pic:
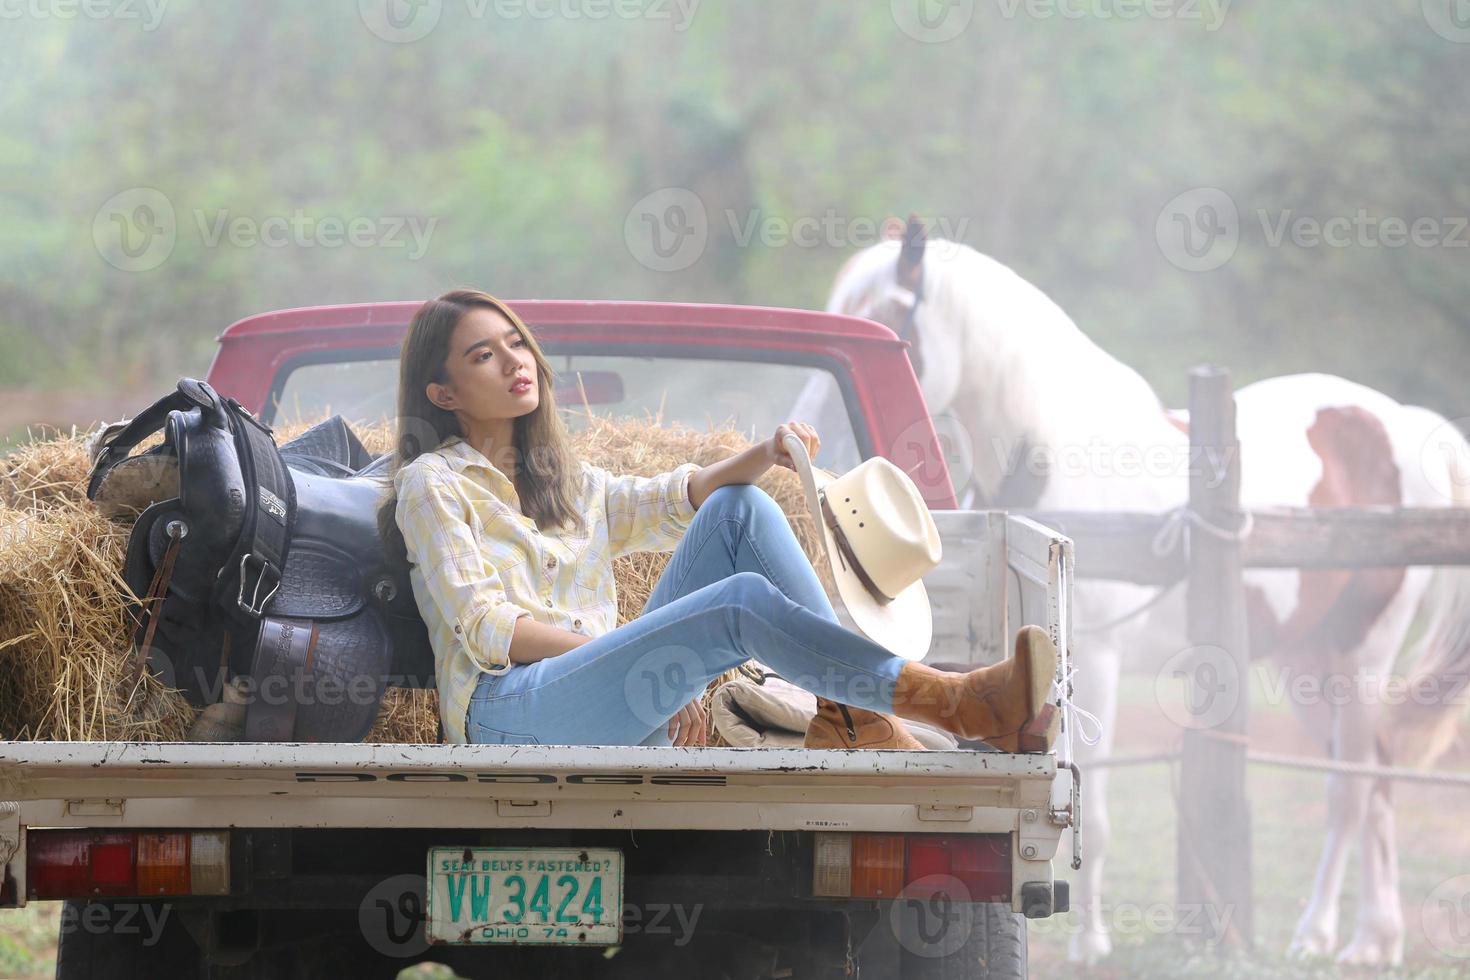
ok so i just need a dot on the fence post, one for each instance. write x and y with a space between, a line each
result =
1214 845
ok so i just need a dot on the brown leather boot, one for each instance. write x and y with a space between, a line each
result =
1004 704
840 726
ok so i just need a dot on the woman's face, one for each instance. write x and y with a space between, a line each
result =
487 355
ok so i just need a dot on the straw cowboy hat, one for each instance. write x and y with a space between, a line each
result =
880 540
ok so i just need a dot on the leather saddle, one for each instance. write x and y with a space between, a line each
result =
261 561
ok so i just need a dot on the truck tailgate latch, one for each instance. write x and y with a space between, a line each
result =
95 808
523 808
947 813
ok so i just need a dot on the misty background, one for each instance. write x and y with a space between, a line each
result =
519 136
1274 187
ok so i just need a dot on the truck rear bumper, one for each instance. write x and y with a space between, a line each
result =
540 789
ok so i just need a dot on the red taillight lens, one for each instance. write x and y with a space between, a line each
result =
113 869
58 865
981 864
115 864
77 863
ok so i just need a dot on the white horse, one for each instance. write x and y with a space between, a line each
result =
1056 423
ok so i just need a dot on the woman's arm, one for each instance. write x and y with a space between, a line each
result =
533 641
751 464
645 513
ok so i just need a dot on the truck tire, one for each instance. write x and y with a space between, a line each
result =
86 949
995 949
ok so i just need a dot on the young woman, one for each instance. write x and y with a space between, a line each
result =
511 540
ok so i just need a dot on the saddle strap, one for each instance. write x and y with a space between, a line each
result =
252 573
118 440
154 601
282 664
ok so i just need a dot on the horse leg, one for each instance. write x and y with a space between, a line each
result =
1359 707
1316 933
1096 685
1347 801
1356 718
1378 936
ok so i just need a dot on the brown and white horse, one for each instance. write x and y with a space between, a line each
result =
1056 423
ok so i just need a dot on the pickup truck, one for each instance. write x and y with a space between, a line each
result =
294 859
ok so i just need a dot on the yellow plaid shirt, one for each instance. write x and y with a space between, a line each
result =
479 564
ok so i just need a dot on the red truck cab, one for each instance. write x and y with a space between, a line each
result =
265 360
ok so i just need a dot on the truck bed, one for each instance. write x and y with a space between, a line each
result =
184 785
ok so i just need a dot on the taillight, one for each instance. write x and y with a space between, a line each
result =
832 874
877 865
981 863
915 865
163 864
131 864
113 856
209 864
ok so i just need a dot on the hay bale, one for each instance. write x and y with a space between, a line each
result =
45 472
647 448
65 633
407 716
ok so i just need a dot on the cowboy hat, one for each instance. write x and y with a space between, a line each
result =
880 539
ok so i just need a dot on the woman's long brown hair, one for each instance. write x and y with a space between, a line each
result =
548 472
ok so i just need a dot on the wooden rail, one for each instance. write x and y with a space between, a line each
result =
1120 546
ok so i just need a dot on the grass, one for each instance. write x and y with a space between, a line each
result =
1288 823
28 941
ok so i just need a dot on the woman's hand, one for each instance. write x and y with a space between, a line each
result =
808 436
749 465
687 727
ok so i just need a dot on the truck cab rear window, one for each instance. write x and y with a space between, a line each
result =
752 396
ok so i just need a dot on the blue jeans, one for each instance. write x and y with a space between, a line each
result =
737 586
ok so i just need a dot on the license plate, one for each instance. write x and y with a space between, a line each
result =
525 895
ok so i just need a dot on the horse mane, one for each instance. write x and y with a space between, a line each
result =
1020 365
1017 342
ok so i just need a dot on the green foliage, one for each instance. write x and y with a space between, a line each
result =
1052 142
28 940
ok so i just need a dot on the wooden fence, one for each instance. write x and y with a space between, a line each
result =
1214 842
